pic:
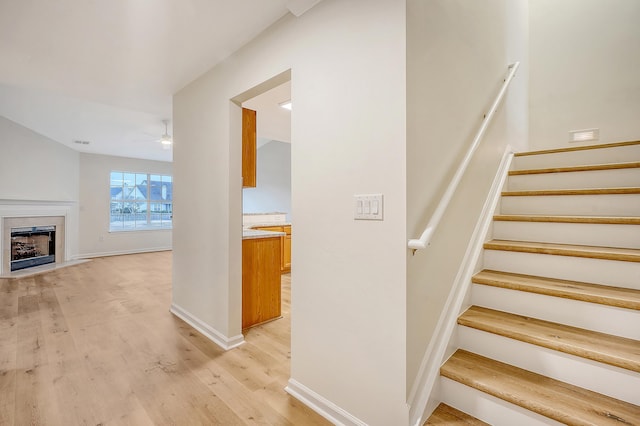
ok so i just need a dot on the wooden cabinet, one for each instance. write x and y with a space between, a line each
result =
286 250
285 244
249 148
261 260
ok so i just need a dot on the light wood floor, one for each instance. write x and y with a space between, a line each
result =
95 344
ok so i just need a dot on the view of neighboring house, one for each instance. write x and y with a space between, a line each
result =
137 202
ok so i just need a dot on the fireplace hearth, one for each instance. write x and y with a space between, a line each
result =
32 246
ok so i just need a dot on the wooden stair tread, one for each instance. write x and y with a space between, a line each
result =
588 191
605 295
613 350
447 415
576 148
607 220
586 168
551 398
606 253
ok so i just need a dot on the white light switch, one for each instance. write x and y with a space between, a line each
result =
368 207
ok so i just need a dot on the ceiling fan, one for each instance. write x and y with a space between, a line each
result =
166 139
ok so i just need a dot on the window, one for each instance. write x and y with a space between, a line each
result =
140 201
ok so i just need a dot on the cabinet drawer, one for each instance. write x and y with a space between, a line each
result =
269 228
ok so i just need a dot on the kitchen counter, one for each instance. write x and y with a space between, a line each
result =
248 234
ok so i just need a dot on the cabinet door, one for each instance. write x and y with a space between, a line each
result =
248 148
286 255
260 280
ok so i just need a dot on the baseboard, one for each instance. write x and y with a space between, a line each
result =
321 405
120 252
420 397
210 333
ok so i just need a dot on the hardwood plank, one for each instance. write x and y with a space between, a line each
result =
557 400
605 295
95 343
577 148
604 220
593 252
446 415
590 191
586 168
34 403
613 350
8 350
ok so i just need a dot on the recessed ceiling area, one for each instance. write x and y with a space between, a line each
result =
105 72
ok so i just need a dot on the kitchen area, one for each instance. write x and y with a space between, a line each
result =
266 238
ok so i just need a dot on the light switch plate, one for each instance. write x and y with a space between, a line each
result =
368 207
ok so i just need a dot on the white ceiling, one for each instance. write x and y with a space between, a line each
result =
105 71
272 121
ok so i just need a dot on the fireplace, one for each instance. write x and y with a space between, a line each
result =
30 241
32 246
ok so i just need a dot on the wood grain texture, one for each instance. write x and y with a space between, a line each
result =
286 249
604 295
557 400
591 191
446 415
285 245
613 350
95 344
586 168
261 262
577 148
593 252
249 148
598 220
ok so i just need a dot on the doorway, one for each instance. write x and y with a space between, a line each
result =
266 203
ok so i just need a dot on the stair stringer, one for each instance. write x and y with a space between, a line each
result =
424 395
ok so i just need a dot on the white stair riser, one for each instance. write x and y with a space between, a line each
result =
598 377
488 408
571 180
591 316
573 205
577 158
596 271
604 235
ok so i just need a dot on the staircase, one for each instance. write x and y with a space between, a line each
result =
553 333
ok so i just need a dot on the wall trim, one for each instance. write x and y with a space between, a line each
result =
209 332
121 252
321 405
421 400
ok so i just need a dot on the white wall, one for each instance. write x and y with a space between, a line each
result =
273 176
34 167
95 238
457 57
38 177
347 61
584 70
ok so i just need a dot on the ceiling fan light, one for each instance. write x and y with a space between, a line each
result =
286 105
165 139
